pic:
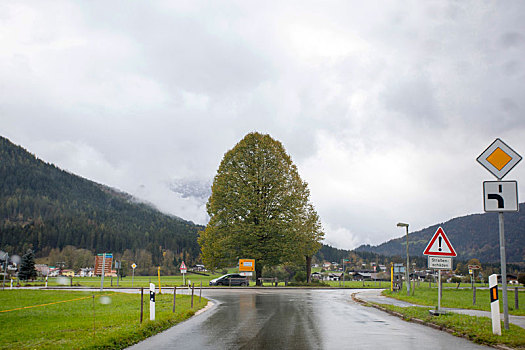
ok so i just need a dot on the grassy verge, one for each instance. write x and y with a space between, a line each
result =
87 321
460 298
126 282
171 281
476 329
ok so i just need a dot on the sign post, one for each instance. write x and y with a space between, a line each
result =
133 266
440 252
246 267
500 196
343 261
183 270
160 290
152 302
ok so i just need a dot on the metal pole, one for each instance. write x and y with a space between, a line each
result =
103 272
141 303
407 274
160 289
6 256
193 292
132 278
474 296
503 270
174 297
343 264
439 291
93 315
391 277
516 299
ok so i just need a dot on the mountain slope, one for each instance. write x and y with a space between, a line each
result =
473 236
44 207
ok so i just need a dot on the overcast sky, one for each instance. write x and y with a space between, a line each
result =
383 106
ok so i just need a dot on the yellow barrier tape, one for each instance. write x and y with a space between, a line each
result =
56 302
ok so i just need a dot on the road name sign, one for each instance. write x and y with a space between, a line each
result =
500 196
440 262
499 159
440 245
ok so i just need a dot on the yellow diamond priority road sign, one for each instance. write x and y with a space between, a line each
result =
499 158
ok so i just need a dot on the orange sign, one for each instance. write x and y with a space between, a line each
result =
246 265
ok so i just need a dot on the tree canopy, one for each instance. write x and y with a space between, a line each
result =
259 208
27 266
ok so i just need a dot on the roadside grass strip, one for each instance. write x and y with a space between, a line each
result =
45 319
476 329
459 299
56 302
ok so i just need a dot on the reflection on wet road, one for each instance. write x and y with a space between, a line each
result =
297 319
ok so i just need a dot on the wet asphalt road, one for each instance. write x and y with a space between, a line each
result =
297 319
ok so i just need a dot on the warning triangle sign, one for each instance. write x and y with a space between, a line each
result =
439 245
182 266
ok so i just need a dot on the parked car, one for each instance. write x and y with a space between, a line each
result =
231 279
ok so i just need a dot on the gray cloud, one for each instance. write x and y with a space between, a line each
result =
384 107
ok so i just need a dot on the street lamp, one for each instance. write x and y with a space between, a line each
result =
407 278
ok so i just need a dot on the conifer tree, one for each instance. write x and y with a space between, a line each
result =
27 266
259 208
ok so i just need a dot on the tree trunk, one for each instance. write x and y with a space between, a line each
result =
258 274
308 269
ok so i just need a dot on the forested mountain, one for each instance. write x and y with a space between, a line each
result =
473 236
43 207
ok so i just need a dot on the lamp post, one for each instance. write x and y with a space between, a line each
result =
407 277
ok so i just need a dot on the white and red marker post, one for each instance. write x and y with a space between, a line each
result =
494 304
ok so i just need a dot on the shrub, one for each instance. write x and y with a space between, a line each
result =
521 279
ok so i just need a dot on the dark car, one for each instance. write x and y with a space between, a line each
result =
231 279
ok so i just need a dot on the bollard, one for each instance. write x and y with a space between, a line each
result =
192 291
174 297
516 299
152 302
494 304
141 303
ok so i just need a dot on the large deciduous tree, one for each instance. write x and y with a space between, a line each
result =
259 208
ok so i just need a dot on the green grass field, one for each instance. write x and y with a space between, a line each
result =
86 321
459 298
171 281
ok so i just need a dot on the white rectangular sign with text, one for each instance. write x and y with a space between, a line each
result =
439 262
